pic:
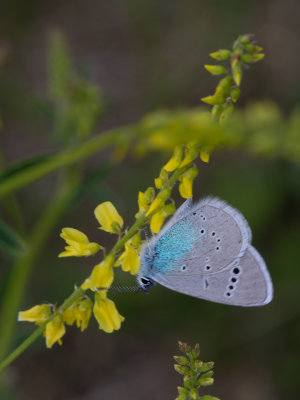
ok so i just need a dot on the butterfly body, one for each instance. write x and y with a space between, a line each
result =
205 251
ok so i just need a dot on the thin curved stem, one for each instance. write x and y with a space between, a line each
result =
78 292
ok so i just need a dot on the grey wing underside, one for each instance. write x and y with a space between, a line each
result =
222 267
246 282
221 234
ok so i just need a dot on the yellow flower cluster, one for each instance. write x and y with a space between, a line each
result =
155 206
151 206
99 281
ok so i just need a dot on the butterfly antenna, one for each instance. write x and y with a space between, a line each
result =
137 252
123 289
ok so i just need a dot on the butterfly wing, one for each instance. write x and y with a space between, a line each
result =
207 238
246 282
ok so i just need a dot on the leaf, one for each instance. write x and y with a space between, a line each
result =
10 242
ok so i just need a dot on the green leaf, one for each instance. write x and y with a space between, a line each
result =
10 242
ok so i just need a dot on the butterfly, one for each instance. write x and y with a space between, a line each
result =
205 251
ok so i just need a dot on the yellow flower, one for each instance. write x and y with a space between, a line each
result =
69 315
101 276
158 218
37 314
79 244
80 312
192 150
106 314
108 217
205 155
129 259
159 201
84 312
54 331
186 183
161 180
144 200
175 160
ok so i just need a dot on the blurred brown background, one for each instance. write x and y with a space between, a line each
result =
147 55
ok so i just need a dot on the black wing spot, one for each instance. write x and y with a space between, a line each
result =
183 267
236 270
202 231
208 267
206 283
194 213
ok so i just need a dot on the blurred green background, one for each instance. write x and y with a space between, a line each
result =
148 55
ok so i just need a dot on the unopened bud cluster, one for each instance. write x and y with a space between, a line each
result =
196 373
243 51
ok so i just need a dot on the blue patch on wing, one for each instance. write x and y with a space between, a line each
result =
173 246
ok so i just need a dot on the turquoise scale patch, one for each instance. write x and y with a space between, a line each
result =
173 246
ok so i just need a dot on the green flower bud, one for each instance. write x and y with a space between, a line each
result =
228 108
252 58
208 374
188 382
183 393
149 193
184 347
181 369
206 366
197 365
237 74
245 39
213 100
181 360
196 351
194 394
205 381
216 69
221 54
235 94
208 397
224 87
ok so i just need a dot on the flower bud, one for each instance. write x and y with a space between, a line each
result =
221 54
216 69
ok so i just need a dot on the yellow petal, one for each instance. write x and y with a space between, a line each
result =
192 150
79 245
39 313
158 218
129 259
205 155
102 275
72 234
108 217
84 312
175 160
156 222
186 188
107 314
69 315
54 331
157 203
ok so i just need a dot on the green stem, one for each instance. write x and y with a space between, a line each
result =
24 265
78 292
99 142
35 334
